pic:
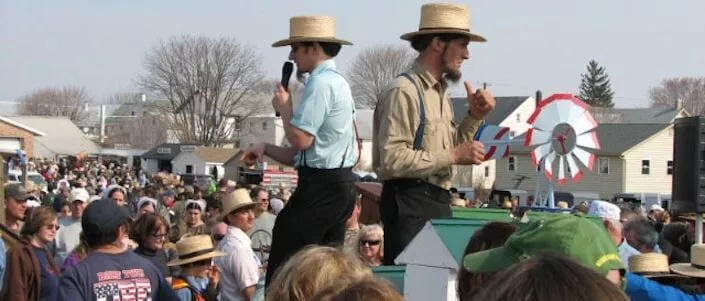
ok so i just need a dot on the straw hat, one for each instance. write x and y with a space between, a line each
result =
439 18
194 248
237 199
311 29
696 267
651 265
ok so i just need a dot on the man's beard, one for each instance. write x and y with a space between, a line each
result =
449 74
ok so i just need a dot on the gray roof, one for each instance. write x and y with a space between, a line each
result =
615 139
635 115
174 150
504 107
62 136
364 119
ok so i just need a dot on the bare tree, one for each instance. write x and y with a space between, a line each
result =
689 90
68 101
208 83
374 68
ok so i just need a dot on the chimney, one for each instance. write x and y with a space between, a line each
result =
679 104
538 97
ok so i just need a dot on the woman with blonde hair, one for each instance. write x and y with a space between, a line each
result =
31 273
311 270
370 246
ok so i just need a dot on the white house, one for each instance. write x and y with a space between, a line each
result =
433 257
202 160
512 112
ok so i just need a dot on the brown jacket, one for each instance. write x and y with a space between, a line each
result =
23 274
10 237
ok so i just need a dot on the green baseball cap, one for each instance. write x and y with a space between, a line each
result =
579 238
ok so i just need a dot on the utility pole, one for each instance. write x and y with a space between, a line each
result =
102 124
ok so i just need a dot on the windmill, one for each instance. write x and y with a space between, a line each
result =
562 133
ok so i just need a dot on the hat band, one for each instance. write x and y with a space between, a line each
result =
444 28
697 266
653 273
195 254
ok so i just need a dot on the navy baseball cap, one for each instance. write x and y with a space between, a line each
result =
103 217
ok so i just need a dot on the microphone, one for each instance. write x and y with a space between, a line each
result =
287 69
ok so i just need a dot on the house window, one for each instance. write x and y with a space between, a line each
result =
645 167
604 165
669 167
487 171
518 117
238 123
512 163
264 126
189 168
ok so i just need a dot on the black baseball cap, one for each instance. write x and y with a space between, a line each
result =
103 217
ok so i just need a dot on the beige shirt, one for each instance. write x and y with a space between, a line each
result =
396 119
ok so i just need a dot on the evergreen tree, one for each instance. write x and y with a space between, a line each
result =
595 88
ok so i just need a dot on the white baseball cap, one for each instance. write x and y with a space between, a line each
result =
604 210
656 207
79 194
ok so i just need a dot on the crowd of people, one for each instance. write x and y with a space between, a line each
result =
103 231
94 233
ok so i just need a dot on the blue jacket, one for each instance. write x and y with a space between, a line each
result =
643 289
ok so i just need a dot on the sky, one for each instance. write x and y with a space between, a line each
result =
538 44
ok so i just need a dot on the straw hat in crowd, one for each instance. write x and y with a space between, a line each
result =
311 29
696 267
238 198
651 265
193 249
438 18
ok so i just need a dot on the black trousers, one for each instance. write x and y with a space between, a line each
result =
405 207
315 214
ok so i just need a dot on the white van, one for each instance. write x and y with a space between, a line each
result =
15 176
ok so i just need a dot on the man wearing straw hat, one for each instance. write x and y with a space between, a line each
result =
415 140
324 146
199 278
240 266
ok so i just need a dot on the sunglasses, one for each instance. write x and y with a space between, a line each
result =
370 242
52 227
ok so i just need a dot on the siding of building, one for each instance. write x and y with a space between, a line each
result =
658 149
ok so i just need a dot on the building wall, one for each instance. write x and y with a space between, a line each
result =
150 166
26 138
257 129
185 158
606 184
658 150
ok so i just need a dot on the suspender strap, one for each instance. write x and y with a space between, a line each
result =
418 138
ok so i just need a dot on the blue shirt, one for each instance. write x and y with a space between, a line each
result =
643 289
2 262
326 111
49 281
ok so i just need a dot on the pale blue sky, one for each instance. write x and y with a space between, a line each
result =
538 44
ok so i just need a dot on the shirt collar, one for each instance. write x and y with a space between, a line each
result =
426 77
238 234
322 66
